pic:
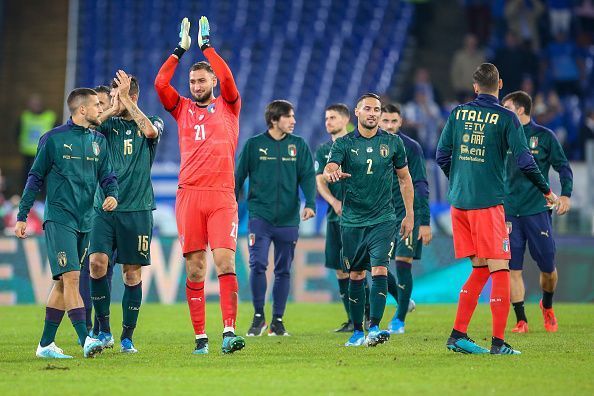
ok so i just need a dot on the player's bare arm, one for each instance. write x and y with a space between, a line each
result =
408 196
334 173
144 124
324 191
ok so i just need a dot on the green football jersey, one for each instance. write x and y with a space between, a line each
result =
132 155
418 174
322 155
522 198
276 170
472 151
372 163
73 161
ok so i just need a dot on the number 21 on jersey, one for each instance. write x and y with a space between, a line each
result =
200 132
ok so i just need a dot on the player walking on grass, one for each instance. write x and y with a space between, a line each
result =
409 249
471 152
206 209
104 95
277 164
527 214
132 140
367 160
73 158
337 118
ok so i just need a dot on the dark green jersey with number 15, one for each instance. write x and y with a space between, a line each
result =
132 155
371 162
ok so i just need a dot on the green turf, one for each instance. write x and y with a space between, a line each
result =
311 361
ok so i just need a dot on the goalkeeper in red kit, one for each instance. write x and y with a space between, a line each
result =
205 207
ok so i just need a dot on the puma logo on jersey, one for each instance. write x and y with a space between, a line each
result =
68 146
355 151
545 233
116 131
355 301
196 299
190 111
264 151
401 286
145 255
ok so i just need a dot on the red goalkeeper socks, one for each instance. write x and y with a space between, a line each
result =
500 301
469 295
196 303
228 292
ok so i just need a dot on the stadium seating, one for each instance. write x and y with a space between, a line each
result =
312 53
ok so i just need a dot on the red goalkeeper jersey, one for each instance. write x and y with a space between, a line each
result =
207 135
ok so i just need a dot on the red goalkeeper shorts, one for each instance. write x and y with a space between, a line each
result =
206 218
481 233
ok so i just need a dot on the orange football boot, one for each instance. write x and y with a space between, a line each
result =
550 321
521 327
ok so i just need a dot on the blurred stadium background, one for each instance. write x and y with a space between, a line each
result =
313 53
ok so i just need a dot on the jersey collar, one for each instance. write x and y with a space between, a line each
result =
357 134
487 98
76 127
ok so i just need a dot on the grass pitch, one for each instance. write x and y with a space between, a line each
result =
311 361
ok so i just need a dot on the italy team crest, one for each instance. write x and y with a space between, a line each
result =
62 259
251 239
384 150
506 245
533 142
292 150
211 108
96 149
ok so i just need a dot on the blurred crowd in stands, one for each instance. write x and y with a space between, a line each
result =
544 47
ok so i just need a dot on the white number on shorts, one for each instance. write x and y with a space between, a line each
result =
143 243
233 230
200 132
391 249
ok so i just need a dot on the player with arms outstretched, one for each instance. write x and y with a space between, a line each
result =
206 209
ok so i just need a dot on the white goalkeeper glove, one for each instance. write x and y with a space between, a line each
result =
184 38
203 33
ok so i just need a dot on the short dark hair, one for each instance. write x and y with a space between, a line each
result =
134 87
275 110
202 66
486 76
77 97
340 108
520 99
391 108
368 95
102 89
